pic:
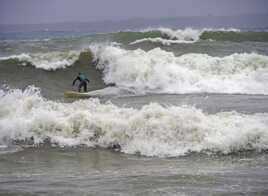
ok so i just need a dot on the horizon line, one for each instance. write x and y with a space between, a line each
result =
136 18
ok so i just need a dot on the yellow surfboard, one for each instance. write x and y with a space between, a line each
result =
74 94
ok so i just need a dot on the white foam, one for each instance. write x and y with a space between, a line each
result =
47 61
152 130
162 41
187 34
160 71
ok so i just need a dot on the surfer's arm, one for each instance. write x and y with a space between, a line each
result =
75 80
87 80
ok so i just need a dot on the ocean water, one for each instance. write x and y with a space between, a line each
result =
178 109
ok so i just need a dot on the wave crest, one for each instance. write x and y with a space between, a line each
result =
164 36
47 61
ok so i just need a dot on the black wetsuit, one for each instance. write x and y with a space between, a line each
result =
83 82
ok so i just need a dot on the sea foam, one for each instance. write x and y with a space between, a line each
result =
153 130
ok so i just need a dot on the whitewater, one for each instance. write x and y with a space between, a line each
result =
162 72
177 110
153 130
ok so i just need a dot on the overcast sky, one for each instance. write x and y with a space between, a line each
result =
46 11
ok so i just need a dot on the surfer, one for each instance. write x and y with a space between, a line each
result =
83 81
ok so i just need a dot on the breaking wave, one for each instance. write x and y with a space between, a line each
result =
153 130
160 71
46 61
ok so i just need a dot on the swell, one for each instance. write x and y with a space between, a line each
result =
235 36
165 36
132 36
190 35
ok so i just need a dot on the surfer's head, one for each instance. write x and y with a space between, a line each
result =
79 73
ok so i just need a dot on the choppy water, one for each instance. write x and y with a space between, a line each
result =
180 111
54 171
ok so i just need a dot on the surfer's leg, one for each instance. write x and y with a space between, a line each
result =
79 87
85 87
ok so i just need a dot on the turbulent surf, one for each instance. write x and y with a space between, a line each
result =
153 130
130 65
